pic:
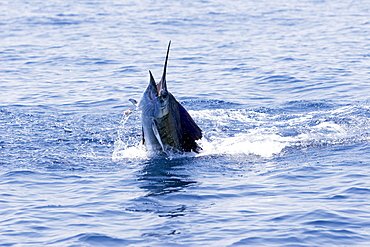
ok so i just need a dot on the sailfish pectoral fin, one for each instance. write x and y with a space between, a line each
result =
156 134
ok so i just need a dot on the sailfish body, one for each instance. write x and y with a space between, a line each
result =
166 125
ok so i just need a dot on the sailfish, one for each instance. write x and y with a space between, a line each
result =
166 125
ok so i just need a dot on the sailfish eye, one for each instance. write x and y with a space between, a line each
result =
164 93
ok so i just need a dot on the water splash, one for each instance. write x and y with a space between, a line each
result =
265 133
128 144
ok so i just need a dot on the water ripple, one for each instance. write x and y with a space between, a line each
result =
280 90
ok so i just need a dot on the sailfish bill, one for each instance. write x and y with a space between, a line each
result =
166 125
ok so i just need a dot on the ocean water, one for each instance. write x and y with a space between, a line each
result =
279 88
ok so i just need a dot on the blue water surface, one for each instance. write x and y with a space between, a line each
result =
279 88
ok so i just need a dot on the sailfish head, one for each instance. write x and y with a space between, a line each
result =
162 85
156 94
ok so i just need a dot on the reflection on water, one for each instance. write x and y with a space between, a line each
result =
163 180
162 176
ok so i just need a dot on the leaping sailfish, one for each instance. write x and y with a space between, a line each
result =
166 125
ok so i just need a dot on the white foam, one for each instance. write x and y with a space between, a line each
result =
234 132
265 145
123 151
